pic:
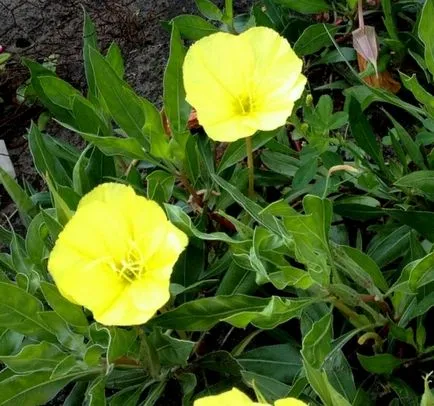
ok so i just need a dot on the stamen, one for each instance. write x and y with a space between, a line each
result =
133 266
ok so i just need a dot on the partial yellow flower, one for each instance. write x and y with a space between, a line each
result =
116 254
235 397
241 84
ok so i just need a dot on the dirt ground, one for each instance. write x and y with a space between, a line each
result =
38 29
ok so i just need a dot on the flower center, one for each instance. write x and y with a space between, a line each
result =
133 266
245 104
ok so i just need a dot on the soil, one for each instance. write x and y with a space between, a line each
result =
42 29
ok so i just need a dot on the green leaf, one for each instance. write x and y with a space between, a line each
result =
305 6
95 394
317 343
237 280
64 335
71 313
310 235
193 27
44 160
314 38
236 151
220 361
36 388
24 204
270 388
238 310
421 221
63 211
410 146
5 236
127 397
364 135
171 351
421 181
305 174
37 71
322 386
89 41
360 268
421 272
281 362
116 146
183 221
127 109
10 341
380 363
209 9
280 163
175 106
421 95
251 207
114 58
426 33
160 186
19 312
34 357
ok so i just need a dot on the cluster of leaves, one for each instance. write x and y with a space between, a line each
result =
320 288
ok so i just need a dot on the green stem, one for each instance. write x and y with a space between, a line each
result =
229 9
229 15
148 355
251 167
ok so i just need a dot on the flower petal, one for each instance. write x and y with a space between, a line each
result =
137 304
110 193
233 397
289 402
217 77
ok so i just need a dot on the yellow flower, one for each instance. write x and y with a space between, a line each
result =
115 256
235 397
241 84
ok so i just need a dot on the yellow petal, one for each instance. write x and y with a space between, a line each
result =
242 84
167 253
289 402
111 193
97 231
233 397
232 129
278 80
116 255
92 285
218 82
138 303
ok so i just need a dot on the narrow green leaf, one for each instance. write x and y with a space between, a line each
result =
44 160
25 205
43 356
193 27
36 388
314 38
364 135
70 312
426 33
238 310
19 312
380 363
305 6
175 105
209 9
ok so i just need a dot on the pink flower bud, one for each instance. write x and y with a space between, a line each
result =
2 48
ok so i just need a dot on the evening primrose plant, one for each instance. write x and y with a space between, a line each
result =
166 263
